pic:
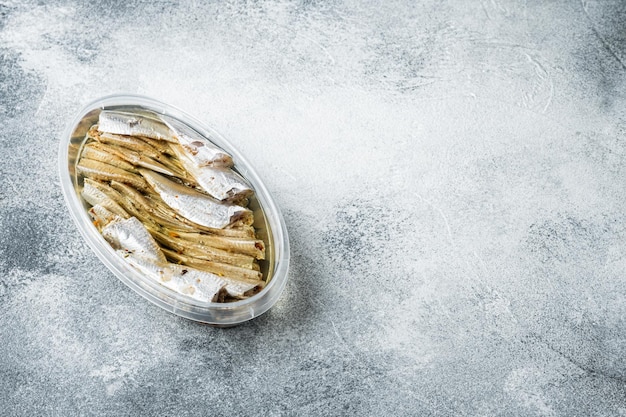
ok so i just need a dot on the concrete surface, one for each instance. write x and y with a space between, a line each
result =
452 174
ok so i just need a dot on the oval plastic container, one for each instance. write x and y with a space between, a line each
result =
269 223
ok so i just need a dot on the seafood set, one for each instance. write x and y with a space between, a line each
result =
172 205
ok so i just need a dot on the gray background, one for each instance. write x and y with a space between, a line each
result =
451 174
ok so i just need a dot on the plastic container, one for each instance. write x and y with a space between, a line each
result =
268 221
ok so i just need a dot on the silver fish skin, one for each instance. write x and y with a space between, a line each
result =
195 206
132 237
130 124
222 183
101 171
239 288
234 288
95 197
199 150
196 283
101 216
149 267
199 285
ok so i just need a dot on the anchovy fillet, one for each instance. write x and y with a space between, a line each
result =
104 172
220 182
96 197
251 247
195 206
198 149
93 151
218 268
234 288
105 152
201 251
131 236
199 285
130 124
101 216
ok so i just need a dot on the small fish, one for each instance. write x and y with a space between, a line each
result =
199 285
148 210
222 183
199 150
93 150
134 145
130 157
195 206
132 237
96 197
234 288
242 231
104 172
132 124
101 216
160 145
197 250
127 142
153 212
221 269
252 247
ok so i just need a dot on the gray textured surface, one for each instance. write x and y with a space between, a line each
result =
452 175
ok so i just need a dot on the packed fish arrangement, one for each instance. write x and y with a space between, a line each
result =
168 201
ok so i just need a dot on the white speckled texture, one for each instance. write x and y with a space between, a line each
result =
452 175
